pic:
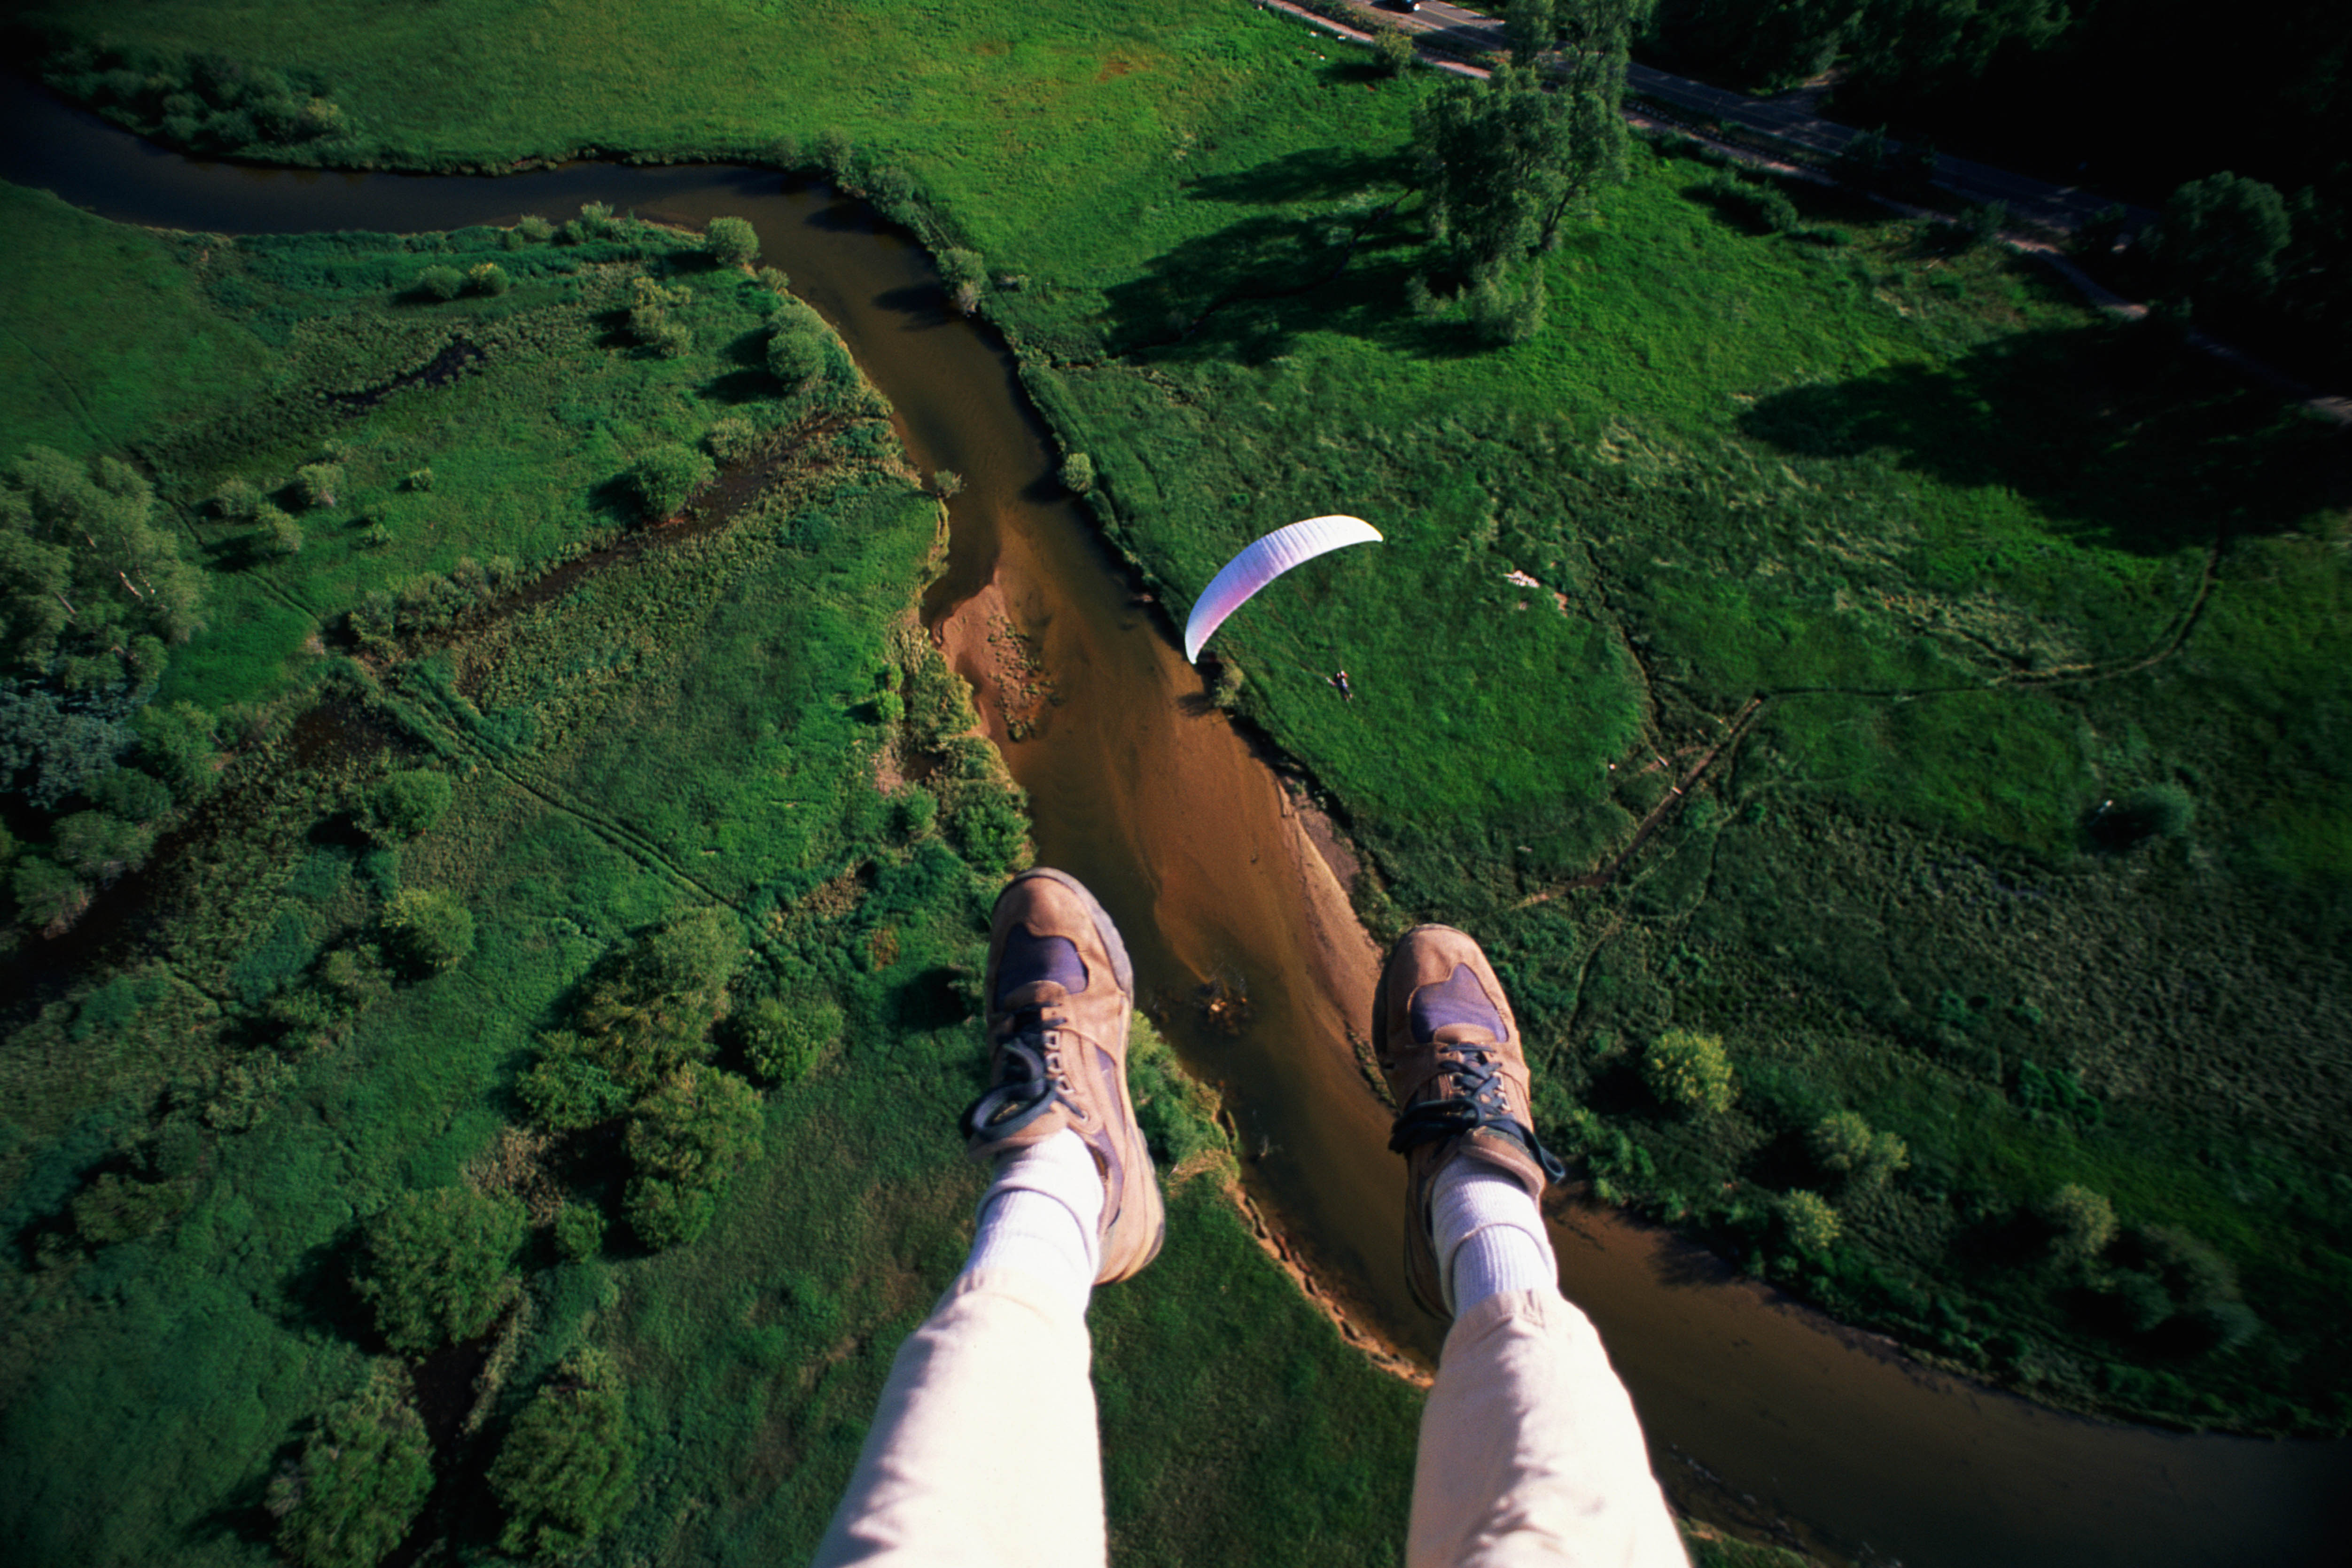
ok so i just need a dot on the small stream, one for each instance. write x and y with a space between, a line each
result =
1758 1410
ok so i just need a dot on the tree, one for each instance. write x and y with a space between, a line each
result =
1078 472
687 1138
669 475
731 242
363 1478
488 277
2082 1223
567 1472
278 533
1901 48
407 803
796 355
644 1013
2222 237
318 482
438 1266
1392 49
440 282
1844 1144
1810 1223
1504 161
84 568
428 928
1689 1072
782 1040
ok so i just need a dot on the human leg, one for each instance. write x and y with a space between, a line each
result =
1530 1451
988 1403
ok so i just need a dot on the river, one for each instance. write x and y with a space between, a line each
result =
1758 1410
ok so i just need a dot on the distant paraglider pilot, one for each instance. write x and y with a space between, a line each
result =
1346 690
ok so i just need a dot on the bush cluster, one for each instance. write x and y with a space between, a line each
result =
666 476
651 321
643 1015
206 102
567 1471
782 1039
404 803
430 601
362 1481
1844 1144
438 1266
429 930
687 1138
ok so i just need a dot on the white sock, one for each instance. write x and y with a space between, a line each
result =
1490 1235
1039 1217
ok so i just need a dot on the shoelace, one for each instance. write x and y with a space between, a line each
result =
1428 1121
1023 1083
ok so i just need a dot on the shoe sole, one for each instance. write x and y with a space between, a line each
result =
1122 969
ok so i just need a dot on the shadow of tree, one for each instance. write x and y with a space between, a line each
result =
2103 427
1237 292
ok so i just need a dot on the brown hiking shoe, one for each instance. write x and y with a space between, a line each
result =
1442 1030
1060 992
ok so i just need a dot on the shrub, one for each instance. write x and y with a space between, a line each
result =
1844 1145
594 222
429 930
236 498
1393 50
419 480
731 242
572 1084
687 1138
117 1207
1809 1222
1229 678
915 810
1501 314
733 440
440 282
946 483
1078 472
1865 157
1688 1072
438 1266
782 1039
534 230
670 339
488 277
578 1231
796 355
363 1478
405 804
1766 208
965 275
669 475
567 1471
2082 1223
276 534
47 894
990 833
2164 810
774 280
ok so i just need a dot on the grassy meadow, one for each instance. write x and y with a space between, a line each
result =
2027 630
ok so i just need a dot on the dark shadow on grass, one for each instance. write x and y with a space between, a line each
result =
2100 426
741 386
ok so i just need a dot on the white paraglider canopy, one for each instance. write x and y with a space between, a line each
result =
1261 563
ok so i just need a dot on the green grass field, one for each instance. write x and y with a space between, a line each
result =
1988 561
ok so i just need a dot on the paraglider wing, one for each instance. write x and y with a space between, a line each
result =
1261 563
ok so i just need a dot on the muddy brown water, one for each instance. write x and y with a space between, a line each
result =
1758 1410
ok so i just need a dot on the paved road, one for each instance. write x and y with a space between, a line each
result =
1790 117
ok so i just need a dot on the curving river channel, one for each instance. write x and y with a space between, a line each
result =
1758 1410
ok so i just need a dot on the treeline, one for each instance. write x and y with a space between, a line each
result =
2147 93
2238 131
